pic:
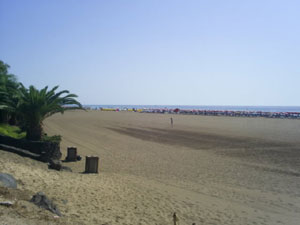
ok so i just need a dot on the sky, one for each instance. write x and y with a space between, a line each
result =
162 52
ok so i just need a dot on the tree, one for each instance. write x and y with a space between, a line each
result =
8 93
36 105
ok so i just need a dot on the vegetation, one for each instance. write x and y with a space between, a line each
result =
11 131
8 94
36 105
29 107
55 138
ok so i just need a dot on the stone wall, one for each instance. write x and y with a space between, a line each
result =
46 149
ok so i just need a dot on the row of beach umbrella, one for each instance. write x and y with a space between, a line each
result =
291 115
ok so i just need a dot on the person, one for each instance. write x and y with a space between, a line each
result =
171 122
175 218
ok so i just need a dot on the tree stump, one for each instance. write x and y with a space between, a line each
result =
72 154
91 164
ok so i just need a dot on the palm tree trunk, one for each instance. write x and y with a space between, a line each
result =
13 119
3 116
34 133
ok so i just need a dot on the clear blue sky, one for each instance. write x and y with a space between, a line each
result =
157 52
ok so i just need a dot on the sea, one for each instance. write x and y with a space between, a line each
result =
202 107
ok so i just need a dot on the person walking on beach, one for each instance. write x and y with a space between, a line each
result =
171 122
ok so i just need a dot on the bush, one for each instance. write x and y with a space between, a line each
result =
54 138
12 131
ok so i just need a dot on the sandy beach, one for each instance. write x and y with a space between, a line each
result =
209 170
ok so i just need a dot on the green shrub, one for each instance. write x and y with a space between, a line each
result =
54 138
12 131
16 132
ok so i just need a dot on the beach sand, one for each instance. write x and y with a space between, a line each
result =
209 170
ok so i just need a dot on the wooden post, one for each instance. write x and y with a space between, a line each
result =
91 164
72 154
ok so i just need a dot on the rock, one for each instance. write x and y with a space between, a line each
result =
45 149
7 180
41 200
7 203
65 168
55 164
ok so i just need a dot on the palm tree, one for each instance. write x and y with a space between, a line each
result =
36 105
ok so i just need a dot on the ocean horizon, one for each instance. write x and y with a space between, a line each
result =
203 107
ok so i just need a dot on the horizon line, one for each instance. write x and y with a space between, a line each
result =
196 105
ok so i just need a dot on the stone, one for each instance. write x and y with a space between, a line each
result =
7 203
19 151
42 201
46 149
65 168
55 164
7 180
